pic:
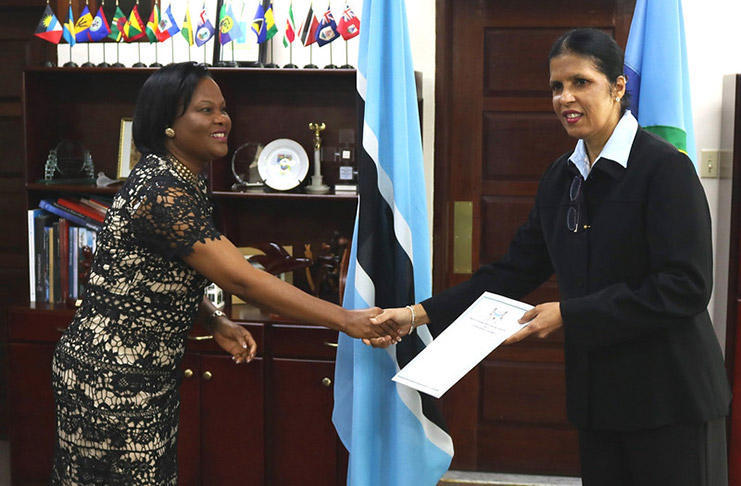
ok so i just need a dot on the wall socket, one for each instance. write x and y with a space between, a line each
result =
709 164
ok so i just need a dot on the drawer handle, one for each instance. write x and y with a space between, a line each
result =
326 382
207 375
188 373
331 345
200 338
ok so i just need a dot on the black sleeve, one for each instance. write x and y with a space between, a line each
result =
526 265
170 220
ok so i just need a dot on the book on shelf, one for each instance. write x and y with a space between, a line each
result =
100 202
62 256
86 210
70 214
51 258
38 219
59 255
99 205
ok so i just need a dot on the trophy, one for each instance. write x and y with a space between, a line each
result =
69 162
317 185
245 168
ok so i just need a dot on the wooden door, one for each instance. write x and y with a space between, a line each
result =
495 135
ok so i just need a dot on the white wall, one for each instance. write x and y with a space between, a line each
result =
713 50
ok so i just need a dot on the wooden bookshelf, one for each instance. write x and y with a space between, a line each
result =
272 418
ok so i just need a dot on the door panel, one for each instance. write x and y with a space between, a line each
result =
495 135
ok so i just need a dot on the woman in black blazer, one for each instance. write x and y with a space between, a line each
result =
624 223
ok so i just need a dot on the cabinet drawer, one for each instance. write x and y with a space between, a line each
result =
291 341
199 340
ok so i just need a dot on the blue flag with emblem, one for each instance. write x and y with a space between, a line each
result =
395 435
658 76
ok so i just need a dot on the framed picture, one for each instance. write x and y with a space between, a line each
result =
128 156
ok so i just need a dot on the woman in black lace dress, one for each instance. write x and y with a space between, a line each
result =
115 368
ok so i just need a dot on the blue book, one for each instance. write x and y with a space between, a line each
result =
69 214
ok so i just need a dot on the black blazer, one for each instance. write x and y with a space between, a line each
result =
640 348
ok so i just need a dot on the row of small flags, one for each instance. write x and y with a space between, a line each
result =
161 27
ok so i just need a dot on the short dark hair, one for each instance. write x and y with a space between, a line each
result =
602 49
157 105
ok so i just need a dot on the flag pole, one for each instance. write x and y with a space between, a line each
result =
139 55
311 64
102 42
331 63
139 63
88 63
347 64
70 63
272 63
156 62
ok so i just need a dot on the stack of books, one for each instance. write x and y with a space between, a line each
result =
62 236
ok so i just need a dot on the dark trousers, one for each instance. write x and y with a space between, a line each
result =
675 455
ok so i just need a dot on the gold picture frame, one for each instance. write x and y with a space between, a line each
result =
128 155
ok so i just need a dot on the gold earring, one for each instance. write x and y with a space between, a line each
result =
170 132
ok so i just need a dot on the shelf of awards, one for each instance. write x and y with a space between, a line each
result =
91 109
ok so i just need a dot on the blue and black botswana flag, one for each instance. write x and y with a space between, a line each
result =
395 435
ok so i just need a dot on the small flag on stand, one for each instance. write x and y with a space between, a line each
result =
270 27
168 27
69 28
205 30
153 24
258 24
134 28
187 28
327 30
308 31
228 28
290 33
82 26
119 20
349 24
49 27
99 29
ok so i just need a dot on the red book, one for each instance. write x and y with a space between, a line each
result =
81 208
63 259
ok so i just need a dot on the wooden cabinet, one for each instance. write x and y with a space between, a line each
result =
268 422
221 421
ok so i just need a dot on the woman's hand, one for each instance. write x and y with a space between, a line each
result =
399 317
543 320
359 324
235 340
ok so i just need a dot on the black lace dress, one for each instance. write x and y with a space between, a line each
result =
115 372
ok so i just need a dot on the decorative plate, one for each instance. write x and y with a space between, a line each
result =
283 164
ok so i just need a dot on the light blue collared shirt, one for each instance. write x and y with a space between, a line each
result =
616 149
